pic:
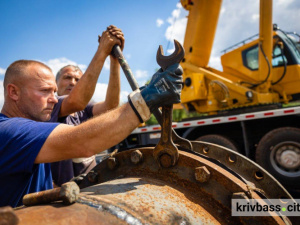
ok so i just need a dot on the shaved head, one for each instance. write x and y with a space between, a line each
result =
29 89
18 70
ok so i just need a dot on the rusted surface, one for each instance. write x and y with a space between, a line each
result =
42 197
214 196
8 216
166 152
76 214
67 193
248 169
145 193
149 200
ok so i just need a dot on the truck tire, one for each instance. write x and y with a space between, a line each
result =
219 140
279 153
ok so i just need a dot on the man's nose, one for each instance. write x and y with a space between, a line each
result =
53 98
73 81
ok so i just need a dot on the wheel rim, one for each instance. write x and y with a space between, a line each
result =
285 158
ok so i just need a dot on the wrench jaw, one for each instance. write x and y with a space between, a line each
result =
175 57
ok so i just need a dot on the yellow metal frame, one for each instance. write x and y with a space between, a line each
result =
211 90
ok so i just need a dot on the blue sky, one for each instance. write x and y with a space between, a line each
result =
63 32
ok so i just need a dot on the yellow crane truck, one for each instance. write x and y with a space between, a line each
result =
244 103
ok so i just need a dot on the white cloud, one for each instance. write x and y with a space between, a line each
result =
2 71
222 10
107 64
142 77
255 17
159 22
142 83
58 63
100 93
284 2
177 24
215 62
170 51
140 74
124 96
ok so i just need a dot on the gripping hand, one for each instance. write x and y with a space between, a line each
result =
163 89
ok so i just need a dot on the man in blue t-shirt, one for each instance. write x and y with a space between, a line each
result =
28 144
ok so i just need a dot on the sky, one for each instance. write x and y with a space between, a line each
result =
58 33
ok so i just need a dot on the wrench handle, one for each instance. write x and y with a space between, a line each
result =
116 52
166 132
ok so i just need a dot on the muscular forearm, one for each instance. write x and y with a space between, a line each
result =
113 90
112 99
83 91
89 138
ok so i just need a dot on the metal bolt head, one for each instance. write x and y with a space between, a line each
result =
111 163
136 156
92 176
165 160
69 192
202 174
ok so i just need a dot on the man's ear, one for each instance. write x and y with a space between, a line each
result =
13 91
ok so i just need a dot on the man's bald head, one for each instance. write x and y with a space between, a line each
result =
18 70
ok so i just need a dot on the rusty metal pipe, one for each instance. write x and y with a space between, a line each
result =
68 193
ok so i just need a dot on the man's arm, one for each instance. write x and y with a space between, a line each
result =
106 130
112 98
83 91
88 138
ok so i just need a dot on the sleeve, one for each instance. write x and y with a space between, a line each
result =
21 141
89 109
56 109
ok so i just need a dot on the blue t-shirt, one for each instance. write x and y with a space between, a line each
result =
20 142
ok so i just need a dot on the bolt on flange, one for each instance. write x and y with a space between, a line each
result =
111 163
136 156
202 174
93 176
